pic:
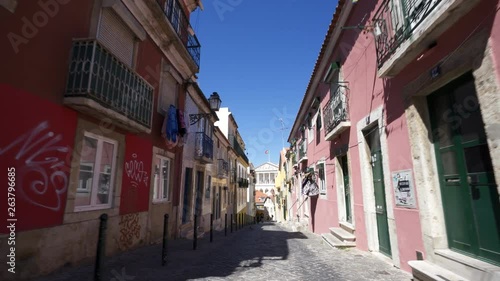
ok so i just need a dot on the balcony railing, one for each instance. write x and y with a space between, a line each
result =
223 168
239 149
395 21
96 74
302 152
242 182
336 113
204 147
175 14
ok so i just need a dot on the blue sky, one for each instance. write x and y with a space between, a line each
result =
259 55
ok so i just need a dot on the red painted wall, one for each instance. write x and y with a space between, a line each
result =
38 60
37 141
136 175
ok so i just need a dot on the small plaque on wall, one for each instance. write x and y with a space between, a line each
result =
403 189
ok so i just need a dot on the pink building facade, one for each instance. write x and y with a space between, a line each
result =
400 124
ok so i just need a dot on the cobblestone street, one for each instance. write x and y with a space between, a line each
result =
258 252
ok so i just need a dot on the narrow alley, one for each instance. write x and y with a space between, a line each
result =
268 251
363 136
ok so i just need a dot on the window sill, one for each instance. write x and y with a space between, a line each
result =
92 208
160 201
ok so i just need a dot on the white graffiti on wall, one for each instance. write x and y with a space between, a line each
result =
35 146
135 172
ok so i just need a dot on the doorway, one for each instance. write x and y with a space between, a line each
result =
347 188
199 193
468 188
373 139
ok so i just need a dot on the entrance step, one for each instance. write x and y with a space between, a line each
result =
335 242
468 267
426 271
347 226
342 234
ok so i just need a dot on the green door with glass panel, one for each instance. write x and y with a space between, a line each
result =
468 188
384 241
347 188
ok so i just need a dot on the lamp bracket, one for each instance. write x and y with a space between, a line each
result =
194 118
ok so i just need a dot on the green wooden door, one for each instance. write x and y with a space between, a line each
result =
373 138
468 188
347 188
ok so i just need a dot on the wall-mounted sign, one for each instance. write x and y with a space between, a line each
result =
403 189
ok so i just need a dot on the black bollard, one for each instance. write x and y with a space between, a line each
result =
211 227
225 224
231 223
195 233
165 240
101 247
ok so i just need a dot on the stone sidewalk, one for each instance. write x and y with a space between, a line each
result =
257 252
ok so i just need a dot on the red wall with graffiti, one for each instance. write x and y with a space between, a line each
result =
37 140
136 175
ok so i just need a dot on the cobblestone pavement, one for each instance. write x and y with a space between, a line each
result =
258 252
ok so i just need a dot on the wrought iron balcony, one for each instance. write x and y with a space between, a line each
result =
302 152
336 113
242 182
180 23
395 21
222 168
239 149
101 85
204 148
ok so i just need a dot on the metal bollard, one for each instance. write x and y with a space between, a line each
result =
225 224
231 223
165 240
195 233
101 247
211 227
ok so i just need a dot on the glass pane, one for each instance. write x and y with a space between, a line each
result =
157 184
165 177
467 109
478 159
87 162
107 157
445 120
449 161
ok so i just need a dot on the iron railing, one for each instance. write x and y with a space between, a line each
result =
239 149
97 74
180 22
336 109
302 150
395 21
223 168
242 182
204 147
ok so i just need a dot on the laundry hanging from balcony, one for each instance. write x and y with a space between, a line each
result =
181 123
170 128
309 186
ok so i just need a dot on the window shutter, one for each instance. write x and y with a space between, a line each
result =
168 93
116 36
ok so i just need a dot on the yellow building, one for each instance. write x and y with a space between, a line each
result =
281 189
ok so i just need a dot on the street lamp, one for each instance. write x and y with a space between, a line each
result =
214 101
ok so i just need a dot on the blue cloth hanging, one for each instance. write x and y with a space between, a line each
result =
172 129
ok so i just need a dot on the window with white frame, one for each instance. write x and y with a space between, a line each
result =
95 180
321 178
161 188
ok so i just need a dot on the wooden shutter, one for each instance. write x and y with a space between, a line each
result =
116 36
